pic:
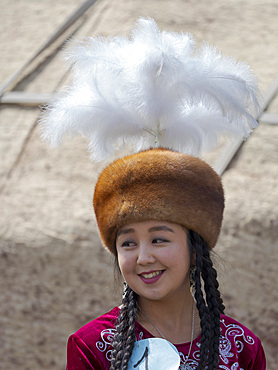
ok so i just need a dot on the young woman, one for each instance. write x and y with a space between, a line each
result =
159 211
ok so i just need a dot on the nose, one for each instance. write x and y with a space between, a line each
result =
145 254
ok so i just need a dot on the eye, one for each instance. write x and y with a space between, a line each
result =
128 243
159 241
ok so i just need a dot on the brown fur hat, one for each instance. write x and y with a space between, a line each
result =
159 184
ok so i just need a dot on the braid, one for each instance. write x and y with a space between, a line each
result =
214 310
218 295
210 312
203 311
124 337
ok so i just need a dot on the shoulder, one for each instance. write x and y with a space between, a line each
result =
101 327
230 328
239 343
90 347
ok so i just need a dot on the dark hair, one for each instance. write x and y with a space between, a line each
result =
209 309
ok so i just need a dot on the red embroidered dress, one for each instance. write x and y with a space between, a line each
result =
90 347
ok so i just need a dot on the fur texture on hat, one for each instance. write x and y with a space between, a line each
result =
159 184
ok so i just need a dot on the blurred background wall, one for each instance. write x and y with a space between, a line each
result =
55 276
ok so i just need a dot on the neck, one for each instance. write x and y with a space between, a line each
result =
172 318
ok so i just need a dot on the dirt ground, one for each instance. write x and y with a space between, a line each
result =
55 276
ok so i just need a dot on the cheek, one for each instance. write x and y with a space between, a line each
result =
125 263
179 261
176 256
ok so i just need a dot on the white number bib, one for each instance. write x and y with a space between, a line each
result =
153 354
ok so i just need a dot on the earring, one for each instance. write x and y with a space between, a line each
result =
125 291
192 281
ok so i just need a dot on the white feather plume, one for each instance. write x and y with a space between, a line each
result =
153 89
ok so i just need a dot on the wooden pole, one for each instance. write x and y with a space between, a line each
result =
269 118
231 149
25 98
68 22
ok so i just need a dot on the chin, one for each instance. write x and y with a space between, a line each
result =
153 296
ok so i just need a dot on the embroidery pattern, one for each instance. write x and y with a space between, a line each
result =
228 332
235 366
107 336
238 335
193 363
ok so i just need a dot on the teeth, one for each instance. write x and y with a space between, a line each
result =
151 275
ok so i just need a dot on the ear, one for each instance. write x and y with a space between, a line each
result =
193 258
190 247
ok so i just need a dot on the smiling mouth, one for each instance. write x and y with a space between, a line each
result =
151 274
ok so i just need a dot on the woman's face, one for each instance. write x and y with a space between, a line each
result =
154 258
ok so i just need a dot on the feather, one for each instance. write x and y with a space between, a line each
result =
154 89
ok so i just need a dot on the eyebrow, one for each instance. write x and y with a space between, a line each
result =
162 227
125 231
155 228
